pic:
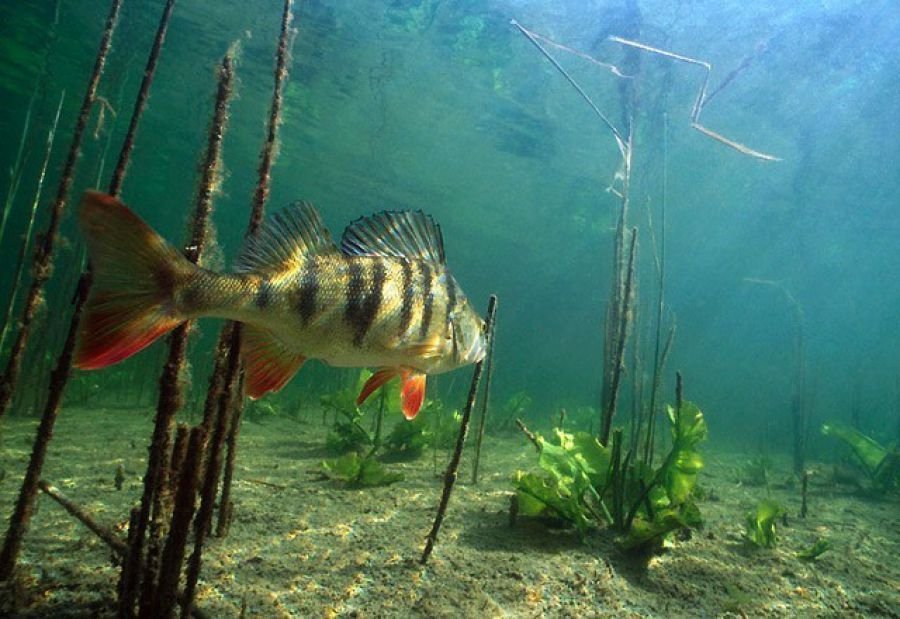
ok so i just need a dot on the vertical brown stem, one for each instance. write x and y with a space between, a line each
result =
18 522
42 266
269 150
118 176
803 488
211 471
257 212
170 396
226 506
618 361
482 420
163 604
453 467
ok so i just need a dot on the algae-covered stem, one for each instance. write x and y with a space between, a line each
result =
43 258
213 466
485 401
41 269
620 331
453 467
104 533
257 212
170 398
163 602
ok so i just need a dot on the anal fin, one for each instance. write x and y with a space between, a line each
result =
269 365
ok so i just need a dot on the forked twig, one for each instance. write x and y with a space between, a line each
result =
702 97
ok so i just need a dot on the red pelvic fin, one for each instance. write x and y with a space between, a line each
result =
376 380
268 364
412 394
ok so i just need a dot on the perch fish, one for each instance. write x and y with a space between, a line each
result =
384 299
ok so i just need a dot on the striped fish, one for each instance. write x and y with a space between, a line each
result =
384 298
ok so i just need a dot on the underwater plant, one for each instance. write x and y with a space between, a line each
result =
820 546
880 464
586 484
359 471
260 411
761 524
504 420
756 471
435 428
347 433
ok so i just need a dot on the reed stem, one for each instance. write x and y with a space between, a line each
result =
21 516
485 401
26 240
453 467
42 266
257 213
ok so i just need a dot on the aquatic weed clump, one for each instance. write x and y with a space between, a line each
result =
880 464
587 485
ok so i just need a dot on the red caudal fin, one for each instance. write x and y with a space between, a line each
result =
412 394
136 274
269 364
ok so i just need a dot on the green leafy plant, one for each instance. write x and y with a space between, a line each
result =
756 471
880 464
260 411
586 484
348 432
761 524
432 427
358 471
504 419
813 552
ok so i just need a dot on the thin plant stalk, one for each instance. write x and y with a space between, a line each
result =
21 516
257 213
15 173
42 267
453 467
482 420
799 404
170 384
619 347
26 241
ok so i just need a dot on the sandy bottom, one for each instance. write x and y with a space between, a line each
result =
307 547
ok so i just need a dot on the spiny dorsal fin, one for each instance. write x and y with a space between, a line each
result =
409 234
285 240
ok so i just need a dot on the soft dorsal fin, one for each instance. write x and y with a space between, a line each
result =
409 234
285 240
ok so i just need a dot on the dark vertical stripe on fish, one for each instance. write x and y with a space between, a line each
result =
451 295
363 298
309 289
264 294
428 296
408 293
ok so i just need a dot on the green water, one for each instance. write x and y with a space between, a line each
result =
446 107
